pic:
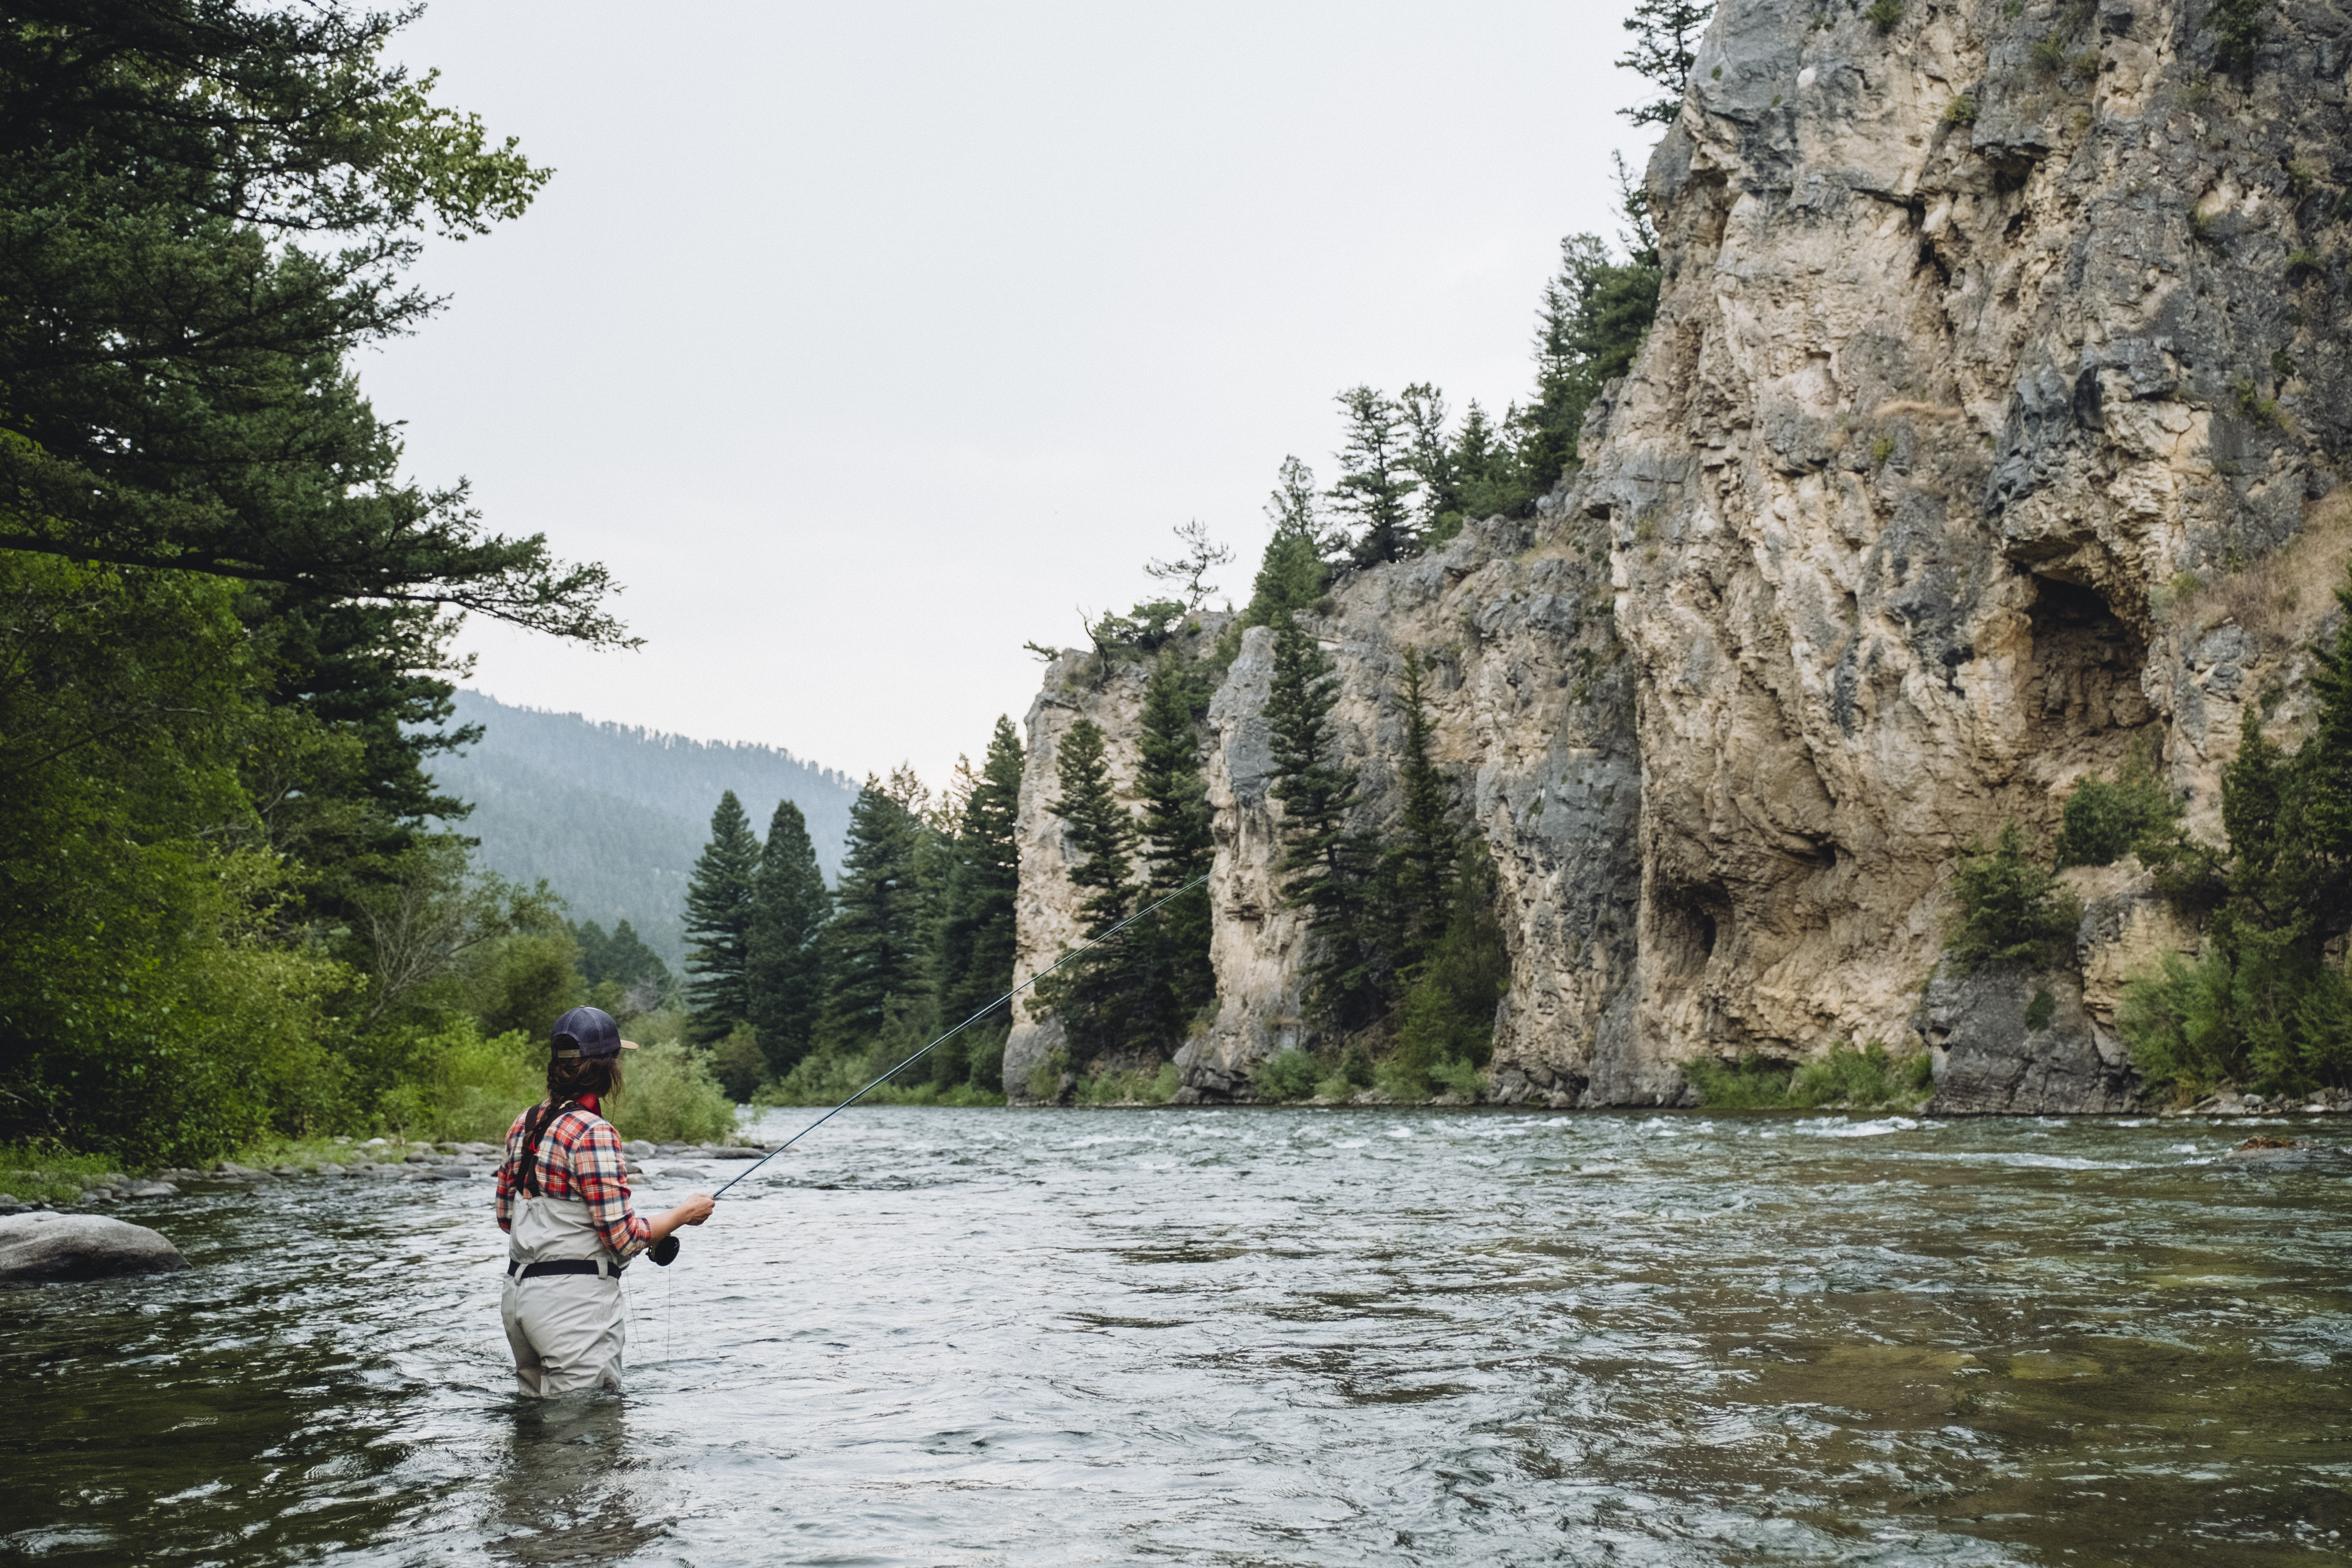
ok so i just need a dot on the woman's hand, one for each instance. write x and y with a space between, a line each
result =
694 1211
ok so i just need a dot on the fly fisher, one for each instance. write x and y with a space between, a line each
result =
563 1202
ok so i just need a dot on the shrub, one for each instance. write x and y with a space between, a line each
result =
1287 1075
1459 1078
1140 1086
738 1065
2048 55
1865 1077
2040 1011
2304 262
2102 821
1884 14
462 1086
1880 450
2263 411
1961 110
670 1098
2011 909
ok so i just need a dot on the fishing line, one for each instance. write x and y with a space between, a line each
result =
960 1028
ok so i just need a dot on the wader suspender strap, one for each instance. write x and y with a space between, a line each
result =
527 1174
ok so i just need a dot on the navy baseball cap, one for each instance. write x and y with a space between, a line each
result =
589 1033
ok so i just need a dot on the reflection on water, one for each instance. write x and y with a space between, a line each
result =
1258 1337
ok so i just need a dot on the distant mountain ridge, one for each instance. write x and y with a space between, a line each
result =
613 815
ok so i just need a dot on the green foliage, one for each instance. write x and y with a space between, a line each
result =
2302 262
2263 411
2011 908
1447 1016
623 960
719 905
1846 1077
875 947
2262 1007
1665 36
1961 110
2048 55
1376 481
2238 28
1884 14
1327 866
1292 575
2103 820
1137 1086
1880 450
1287 1075
2041 1010
670 1097
463 1086
783 953
738 1065
976 926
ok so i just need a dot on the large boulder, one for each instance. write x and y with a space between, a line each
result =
42 1248
2017 1042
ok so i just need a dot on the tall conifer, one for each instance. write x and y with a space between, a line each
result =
1176 821
1375 481
1418 865
718 923
874 947
1324 863
975 961
784 957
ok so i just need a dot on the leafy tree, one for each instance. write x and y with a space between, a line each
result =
718 911
1665 38
876 951
2012 909
783 952
1325 865
1375 481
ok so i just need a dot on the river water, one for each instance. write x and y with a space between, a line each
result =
1248 1337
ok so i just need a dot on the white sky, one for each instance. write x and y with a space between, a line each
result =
864 342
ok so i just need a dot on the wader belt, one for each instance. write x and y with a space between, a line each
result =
560 1266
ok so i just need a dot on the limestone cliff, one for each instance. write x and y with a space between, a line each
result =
1997 383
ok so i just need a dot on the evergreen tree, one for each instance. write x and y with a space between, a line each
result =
784 955
1102 997
718 924
874 947
1190 569
1292 574
1375 484
1593 317
1176 820
1486 469
976 923
1418 865
1665 36
1324 864
1432 459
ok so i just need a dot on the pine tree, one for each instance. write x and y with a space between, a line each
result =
784 957
1665 36
1176 822
1292 574
1417 868
1324 864
1102 995
976 928
1374 486
1431 457
718 924
874 946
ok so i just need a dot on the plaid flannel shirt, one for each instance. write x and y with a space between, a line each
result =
579 1158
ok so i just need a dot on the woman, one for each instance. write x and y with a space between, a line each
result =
563 1202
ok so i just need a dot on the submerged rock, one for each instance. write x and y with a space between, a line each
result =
44 1248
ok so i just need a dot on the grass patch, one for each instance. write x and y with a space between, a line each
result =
1849 1078
2279 598
1136 1087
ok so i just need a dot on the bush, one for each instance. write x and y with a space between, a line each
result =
739 1064
1866 1078
1884 14
669 1097
1137 1087
2103 820
1287 1075
462 1086
2011 909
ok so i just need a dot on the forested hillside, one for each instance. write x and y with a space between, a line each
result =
613 817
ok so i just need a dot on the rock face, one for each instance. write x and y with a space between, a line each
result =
42 1248
1985 432
1997 1052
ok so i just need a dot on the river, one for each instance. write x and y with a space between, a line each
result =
1257 1337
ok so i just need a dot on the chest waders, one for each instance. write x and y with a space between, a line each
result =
561 1306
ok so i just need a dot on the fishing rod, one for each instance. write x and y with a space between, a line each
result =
666 1248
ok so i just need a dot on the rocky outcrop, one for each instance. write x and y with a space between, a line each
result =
2008 1041
1987 431
42 1248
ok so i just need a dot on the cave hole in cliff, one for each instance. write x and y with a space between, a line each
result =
2084 697
1688 925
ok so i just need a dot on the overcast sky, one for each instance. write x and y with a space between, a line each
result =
866 341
